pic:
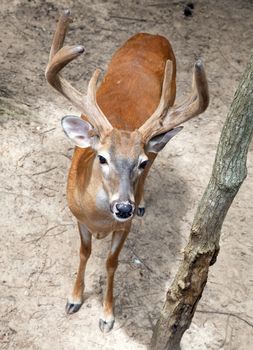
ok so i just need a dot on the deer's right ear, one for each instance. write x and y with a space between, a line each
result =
78 130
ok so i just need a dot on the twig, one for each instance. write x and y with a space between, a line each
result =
15 287
143 263
228 61
36 240
230 339
226 314
226 334
49 188
159 4
92 342
65 155
152 324
21 159
45 171
46 131
130 18
130 307
10 311
57 234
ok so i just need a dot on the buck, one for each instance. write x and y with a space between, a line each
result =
124 124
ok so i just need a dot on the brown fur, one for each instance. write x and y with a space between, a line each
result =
131 88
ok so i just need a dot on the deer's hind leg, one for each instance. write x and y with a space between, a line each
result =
75 301
140 188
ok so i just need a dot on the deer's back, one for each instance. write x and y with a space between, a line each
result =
131 88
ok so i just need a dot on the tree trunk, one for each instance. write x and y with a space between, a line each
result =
229 171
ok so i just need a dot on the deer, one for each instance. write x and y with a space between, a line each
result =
125 122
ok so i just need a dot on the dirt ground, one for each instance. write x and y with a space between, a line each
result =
39 240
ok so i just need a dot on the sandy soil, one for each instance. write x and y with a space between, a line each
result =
39 241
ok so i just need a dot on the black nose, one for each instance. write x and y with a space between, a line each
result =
124 210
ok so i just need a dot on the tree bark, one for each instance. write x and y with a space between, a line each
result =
229 172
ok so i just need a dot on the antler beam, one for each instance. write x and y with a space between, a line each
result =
59 57
164 120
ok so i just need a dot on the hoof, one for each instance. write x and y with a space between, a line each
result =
106 326
71 308
140 211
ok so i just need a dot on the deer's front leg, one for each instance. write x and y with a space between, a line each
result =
76 299
106 322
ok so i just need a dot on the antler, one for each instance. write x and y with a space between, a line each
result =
59 57
164 119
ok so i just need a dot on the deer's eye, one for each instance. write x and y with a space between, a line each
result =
102 160
143 164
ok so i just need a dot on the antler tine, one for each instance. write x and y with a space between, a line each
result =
195 104
153 124
91 102
60 33
59 57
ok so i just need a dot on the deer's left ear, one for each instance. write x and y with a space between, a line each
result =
158 142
